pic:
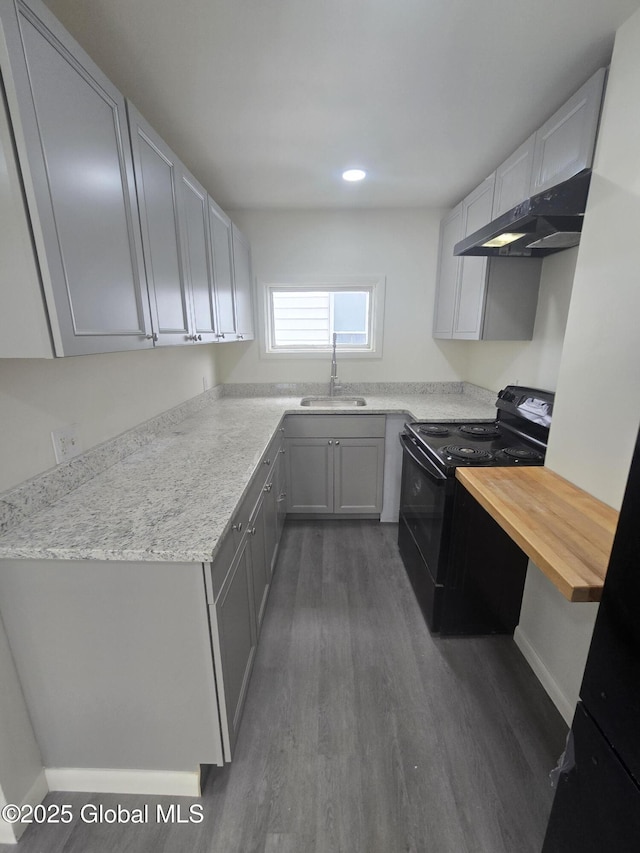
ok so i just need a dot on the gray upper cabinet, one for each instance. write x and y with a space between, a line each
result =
448 274
565 143
156 182
513 179
69 127
242 286
221 247
196 253
490 299
476 212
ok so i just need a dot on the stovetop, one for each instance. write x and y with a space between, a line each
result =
518 436
451 445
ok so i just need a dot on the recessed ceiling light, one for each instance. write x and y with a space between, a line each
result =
354 175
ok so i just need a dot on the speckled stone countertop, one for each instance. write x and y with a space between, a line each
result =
173 499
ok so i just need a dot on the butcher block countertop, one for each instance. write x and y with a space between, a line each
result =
565 531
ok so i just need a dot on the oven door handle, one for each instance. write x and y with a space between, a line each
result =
410 447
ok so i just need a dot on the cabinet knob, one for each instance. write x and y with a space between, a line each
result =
152 337
282 451
253 531
199 337
220 335
237 526
267 488
282 496
330 442
267 462
240 337
338 442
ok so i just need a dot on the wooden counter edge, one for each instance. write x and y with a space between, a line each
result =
571 590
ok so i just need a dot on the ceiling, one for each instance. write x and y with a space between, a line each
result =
267 101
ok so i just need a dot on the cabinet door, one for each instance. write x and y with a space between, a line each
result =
194 230
280 492
310 475
242 285
565 143
260 564
448 279
156 181
469 309
359 466
513 179
236 640
220 229
70 128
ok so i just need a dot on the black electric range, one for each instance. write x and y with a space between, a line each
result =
468 575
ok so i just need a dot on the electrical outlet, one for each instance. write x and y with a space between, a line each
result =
66 442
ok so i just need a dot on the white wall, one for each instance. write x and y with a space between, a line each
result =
103 394
599 378
399 244
20 761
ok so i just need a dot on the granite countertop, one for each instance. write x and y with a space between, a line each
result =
173 499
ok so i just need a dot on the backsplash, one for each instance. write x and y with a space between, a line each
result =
304 389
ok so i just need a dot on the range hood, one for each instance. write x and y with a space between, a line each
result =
545 223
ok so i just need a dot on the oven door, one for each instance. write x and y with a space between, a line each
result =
426 507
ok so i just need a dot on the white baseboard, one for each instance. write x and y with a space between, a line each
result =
558 698
176 783
10 833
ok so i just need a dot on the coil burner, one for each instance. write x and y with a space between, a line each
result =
466 454
480 430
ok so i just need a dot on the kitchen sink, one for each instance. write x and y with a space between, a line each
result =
333 402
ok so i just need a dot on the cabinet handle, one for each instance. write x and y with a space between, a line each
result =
152 337
282 497
199 337
253 531
237 526
267 462
267 488
240 337
220 335
282 451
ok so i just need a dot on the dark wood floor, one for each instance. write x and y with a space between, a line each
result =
361 733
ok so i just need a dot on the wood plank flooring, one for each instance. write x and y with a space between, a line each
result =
361 732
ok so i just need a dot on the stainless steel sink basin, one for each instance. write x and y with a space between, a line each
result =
333 402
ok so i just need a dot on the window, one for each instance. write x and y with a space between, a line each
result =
302 317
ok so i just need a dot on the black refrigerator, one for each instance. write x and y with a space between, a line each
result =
597 802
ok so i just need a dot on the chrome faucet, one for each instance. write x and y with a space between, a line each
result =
333 380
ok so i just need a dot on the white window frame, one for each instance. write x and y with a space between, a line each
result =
373 284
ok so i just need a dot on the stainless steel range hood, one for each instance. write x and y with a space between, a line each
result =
541 225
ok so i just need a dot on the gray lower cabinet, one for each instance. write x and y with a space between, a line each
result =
68 124
338 471
239 584
234 638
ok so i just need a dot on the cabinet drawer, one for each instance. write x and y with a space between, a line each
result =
334 426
